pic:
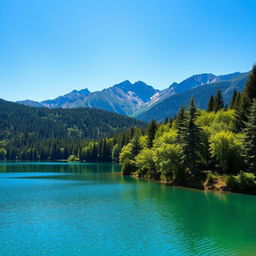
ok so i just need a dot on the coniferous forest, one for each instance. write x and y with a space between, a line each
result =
59 134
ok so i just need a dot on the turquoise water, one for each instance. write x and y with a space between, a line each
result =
90 209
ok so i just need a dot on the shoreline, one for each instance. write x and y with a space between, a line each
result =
202 188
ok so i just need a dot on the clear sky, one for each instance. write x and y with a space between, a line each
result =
50 47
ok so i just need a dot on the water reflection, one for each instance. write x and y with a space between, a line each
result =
100 212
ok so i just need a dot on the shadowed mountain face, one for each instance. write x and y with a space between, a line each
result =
143 101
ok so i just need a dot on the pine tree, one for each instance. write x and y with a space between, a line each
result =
180 121
250 87
166 120
233 100
190 139
135 146
243 108
151 133
218 102
240 115
250 139
170 122
210 104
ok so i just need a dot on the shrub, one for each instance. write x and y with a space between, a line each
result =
128 167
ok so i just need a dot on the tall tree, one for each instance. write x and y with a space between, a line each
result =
233 100
135 146
151 133
190 139
250 87
218 101
210 104
243 108
170 122
250 139
180 121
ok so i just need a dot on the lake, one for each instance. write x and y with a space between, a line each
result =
90 209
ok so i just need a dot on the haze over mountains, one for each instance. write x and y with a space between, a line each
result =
144 102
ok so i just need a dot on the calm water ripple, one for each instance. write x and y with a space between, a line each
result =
55 209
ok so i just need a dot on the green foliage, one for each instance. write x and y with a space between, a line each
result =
243 182
226 149
218 103
151 132
189 136
210 180
128 166
72 158
168 161
145 163
250 87
210 105
54 134
250 139
135 147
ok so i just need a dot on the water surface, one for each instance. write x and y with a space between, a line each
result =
90 209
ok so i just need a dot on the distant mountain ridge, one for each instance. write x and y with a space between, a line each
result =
140 100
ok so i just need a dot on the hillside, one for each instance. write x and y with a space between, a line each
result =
18 122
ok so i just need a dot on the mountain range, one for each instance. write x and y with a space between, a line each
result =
144 102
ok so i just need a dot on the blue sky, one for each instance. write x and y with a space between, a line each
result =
50 47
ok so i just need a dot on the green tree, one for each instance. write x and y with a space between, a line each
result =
151 133
180 122
250 139
233 100
210 104
135 146
190 139
250 87
226 148
241 111
145 163
218 101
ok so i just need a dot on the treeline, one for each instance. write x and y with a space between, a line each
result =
213 149
28 133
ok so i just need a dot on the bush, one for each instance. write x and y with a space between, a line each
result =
210 180
144 162
226 148
168 161
128 167
242 182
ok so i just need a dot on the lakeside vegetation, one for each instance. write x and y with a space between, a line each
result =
206 149
213 149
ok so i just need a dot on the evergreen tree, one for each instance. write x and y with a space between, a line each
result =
135 146
250 139
166 120
151 132
242 109
233 100
210 104
218 102
180 121
250 87
241 113
190 139
170 122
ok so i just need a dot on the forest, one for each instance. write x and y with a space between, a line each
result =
212 149
28 133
